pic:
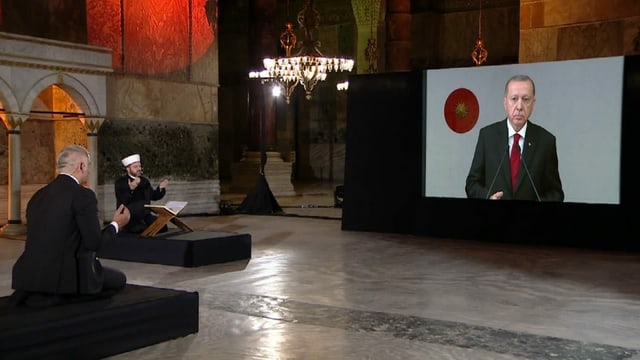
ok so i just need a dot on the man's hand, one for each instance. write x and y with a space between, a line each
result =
122 216
133 184
497 196
163 184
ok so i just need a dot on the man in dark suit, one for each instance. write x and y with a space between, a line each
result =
135 191
62 223
514 158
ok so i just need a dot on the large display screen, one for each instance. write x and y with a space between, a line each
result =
578 101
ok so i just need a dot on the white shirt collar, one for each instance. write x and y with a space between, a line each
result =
522 131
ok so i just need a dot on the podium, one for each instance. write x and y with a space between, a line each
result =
165 215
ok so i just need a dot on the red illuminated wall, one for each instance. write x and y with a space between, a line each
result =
103 27
150 36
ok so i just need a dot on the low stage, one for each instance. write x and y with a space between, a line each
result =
180 248
136 317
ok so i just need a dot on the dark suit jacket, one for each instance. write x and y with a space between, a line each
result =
61 217
540 158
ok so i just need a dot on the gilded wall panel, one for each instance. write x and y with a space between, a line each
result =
566 12
631 36
538 45
559 12
615 9
590 41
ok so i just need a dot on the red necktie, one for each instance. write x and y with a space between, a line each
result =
515 159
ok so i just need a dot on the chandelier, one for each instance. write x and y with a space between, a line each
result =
308 66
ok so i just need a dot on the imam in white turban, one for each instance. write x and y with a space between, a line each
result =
131 159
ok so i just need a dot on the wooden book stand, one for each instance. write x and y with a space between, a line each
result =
165 215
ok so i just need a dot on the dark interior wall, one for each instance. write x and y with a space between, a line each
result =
383 170
384 176
63 20
630 191
233 25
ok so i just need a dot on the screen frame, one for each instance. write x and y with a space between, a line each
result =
571 103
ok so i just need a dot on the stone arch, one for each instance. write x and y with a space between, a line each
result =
77 90
7 100
43 136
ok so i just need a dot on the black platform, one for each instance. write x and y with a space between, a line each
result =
136 317
180 248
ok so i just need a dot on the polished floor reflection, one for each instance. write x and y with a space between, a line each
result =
313 291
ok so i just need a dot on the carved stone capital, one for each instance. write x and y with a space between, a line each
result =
13 121
93 124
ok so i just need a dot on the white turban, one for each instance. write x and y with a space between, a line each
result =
131 159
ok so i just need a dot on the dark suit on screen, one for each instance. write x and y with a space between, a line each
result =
62 218
539 157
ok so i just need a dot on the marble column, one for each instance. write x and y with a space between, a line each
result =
14 224
398 35
93 125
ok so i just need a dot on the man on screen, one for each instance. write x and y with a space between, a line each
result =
514 158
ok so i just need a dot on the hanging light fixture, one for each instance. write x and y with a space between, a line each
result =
308 66
371 52
479 53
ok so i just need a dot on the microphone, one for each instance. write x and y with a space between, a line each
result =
526 169
497 171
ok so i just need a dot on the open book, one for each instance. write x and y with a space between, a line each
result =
167 212
174 207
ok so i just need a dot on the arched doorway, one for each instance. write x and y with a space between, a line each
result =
54 121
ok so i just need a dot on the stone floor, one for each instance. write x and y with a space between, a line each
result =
314 291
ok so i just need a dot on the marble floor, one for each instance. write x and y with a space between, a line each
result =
314 291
